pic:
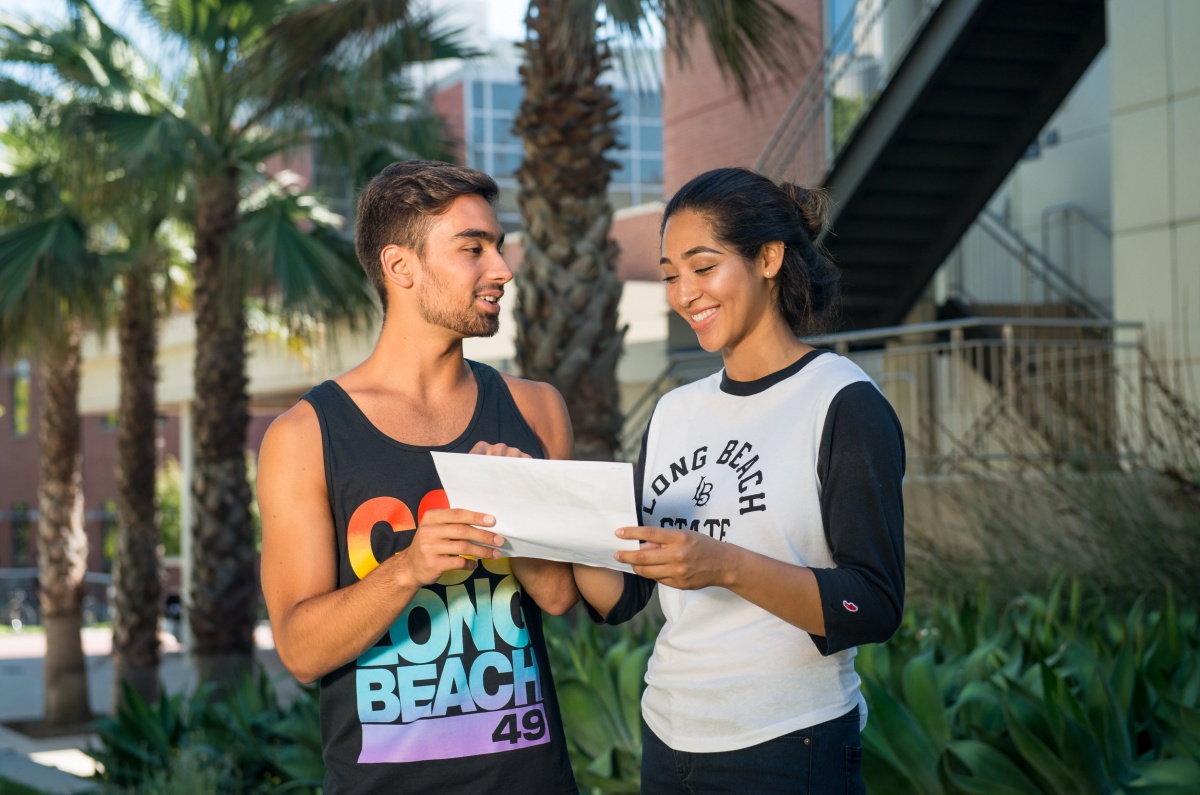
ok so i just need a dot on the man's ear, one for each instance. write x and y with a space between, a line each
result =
399 264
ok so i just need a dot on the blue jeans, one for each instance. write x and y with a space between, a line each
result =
821 760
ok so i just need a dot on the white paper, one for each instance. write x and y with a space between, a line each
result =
552 510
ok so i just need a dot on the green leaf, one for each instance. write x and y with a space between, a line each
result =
989 772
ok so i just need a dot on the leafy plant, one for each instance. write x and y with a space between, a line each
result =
1047 695
262 743
600 673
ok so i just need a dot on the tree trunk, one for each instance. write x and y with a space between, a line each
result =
568 290
138 588
62 543
224 590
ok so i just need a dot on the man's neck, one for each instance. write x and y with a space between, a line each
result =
422 362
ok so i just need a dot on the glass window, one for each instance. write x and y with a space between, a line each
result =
502 134
624 134
650 137
622 98
20 399
478 130
624 172
477 95
477 158
507 162
646 103
651 170
22 542
507 96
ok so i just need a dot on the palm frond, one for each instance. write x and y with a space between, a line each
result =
312 273
748 38
311 53
47 274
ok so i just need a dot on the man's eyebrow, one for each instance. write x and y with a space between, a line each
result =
479 234
691 252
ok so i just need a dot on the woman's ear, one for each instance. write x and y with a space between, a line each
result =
772 258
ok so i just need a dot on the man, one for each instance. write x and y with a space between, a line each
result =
428 647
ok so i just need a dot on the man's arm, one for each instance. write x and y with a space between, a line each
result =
549 583
318 627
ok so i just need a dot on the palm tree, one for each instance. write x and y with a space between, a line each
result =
95 65
567 313
263 77
51 284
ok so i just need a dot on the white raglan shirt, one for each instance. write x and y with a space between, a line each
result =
726 674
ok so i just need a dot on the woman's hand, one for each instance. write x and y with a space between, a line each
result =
682 559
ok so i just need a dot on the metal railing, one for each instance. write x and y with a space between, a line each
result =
859 59
995 264
987 392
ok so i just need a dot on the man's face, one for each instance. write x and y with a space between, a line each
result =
462 274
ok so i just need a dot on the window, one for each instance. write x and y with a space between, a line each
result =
650 137
502 131
507 96
478 129
652 170
22 541
507 162
20 399
477 95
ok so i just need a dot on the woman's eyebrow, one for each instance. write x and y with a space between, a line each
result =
691 252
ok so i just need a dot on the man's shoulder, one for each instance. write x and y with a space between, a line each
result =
538 392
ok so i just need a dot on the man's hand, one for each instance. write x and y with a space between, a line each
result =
445 536
682 559
483 448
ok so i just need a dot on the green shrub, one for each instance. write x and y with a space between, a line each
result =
248 739
1047 695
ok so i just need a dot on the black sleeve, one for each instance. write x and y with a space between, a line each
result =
861 468
637 589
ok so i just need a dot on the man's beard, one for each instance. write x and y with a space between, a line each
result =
434 305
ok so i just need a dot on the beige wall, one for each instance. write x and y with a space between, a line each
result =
1156 177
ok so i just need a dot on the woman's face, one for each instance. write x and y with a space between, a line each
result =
724 298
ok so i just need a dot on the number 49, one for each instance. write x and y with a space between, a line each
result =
533 722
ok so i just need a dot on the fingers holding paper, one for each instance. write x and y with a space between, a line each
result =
444 537
484 448
679 558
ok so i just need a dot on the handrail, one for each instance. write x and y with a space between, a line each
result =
1071 289
1081 212
966 323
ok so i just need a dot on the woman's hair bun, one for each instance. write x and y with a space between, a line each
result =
814 206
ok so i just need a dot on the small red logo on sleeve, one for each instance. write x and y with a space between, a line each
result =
853 608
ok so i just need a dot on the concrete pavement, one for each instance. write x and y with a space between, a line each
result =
56 765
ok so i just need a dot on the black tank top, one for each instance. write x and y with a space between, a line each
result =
457 696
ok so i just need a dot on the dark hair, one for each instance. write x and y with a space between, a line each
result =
746 210
397 205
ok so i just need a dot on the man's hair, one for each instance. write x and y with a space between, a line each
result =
397 207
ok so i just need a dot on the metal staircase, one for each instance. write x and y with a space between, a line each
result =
913 157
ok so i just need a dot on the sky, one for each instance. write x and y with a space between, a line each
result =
505 18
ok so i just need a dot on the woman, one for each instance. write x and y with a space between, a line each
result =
771 492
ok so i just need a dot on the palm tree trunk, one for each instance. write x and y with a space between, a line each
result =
568 291
138 588
224 590
62 543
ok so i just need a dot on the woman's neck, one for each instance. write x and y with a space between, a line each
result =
766 352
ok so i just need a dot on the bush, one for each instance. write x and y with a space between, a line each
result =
1047 695
247 741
